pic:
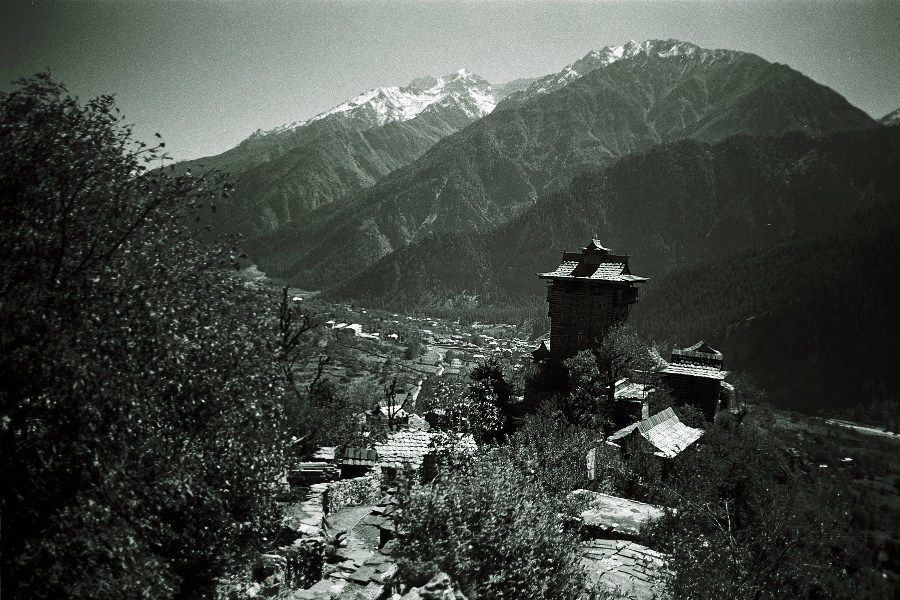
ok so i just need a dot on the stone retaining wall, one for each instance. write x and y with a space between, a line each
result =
359 491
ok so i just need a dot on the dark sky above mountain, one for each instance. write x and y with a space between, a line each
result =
207 73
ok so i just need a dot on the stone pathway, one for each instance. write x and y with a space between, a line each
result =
362 570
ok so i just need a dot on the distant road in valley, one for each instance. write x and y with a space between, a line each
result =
862 428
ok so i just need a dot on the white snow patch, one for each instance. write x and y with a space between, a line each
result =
388 104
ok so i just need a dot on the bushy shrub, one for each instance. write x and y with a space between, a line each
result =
553 450
494 529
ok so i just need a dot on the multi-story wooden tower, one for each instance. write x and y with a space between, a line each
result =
589 292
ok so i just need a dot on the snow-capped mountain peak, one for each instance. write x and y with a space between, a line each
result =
384 105
596 59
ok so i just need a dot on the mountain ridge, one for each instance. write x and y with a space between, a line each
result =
496 168
597 59
890 119
292 170
677 204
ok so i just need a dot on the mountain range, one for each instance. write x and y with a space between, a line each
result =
676 205
286 173
495 169
761 204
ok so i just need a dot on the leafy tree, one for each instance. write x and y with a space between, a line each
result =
140 410
319 413
490 372
457 406
622 354
586 402
496 384
393 408
414 348
746 395
593 375
553 450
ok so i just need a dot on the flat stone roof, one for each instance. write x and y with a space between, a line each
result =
614 517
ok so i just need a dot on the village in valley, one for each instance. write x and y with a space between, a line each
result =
344 501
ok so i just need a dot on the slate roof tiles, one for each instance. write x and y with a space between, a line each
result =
704 371
594 262
628 568
410 448
664 431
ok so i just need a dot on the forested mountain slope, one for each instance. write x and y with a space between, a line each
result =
814 320
677 204
494 170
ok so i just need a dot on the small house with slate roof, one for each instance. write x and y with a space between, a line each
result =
414 449
695 376
666 434
589 292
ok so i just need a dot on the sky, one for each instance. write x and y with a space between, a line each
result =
207 73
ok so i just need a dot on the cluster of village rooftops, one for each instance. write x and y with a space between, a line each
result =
589 292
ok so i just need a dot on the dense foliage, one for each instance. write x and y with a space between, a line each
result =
593 375
751 521
479 404
496 526
140 406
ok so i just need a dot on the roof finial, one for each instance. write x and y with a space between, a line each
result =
596 245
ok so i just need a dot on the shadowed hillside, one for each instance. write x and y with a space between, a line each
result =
816 320
675 205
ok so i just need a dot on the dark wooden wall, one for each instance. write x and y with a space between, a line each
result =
702 392
581 312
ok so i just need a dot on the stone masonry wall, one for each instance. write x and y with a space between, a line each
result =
359 491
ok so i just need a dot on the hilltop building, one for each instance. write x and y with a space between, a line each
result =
695 376
589 292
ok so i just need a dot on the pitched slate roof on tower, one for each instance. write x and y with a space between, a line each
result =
594 262
699 360
606 271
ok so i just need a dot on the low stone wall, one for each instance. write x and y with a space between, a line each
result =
359 491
